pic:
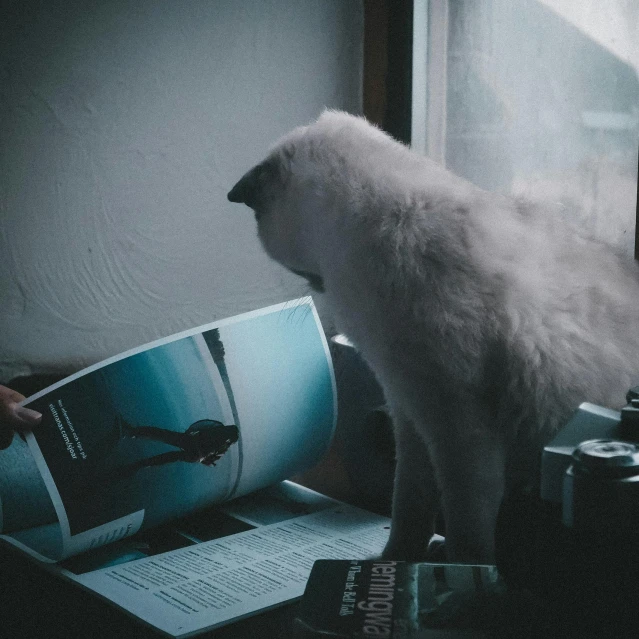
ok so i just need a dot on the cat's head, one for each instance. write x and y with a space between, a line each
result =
294 189
283 202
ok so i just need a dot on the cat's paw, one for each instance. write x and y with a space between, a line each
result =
402 551
436 552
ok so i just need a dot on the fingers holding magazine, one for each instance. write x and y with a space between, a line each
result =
14 417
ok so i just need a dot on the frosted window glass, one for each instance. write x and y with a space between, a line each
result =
537 97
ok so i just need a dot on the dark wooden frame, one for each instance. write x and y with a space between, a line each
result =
388 65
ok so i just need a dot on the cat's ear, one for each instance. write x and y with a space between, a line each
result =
252 184
246 190
261 180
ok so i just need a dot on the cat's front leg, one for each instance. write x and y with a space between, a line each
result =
470 468
415 500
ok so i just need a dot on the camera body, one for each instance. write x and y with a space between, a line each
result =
591 470
575 542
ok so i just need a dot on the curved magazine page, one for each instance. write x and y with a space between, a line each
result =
180 424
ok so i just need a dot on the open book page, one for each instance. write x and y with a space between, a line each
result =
177 425
214 567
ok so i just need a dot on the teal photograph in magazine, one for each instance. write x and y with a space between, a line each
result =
183 423
150 425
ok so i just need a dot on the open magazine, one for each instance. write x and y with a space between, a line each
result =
134 452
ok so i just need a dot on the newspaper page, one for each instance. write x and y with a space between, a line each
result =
217 567
179 424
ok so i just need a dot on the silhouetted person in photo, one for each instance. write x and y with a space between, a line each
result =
203 442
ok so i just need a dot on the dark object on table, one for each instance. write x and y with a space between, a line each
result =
576 542
364 429
350 599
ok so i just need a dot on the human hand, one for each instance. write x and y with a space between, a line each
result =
13 416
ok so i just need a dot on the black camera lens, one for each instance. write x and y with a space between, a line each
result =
607 458
601 489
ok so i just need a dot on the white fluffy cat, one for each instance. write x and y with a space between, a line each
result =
486 320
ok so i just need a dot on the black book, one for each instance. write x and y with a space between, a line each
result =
419 600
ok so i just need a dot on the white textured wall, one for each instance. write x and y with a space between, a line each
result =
123 124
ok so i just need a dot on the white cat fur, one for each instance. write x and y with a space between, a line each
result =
486 320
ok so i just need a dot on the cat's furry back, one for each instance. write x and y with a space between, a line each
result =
487 320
